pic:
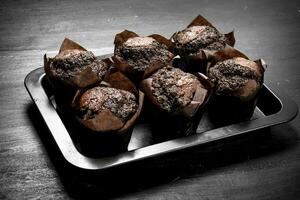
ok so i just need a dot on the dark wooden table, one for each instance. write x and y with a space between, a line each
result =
266 166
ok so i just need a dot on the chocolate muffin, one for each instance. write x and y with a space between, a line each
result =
173 89
106 114
136 55
101 103
237 84
192 40
177 100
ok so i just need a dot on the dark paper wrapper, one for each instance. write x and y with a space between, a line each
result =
96 144
165 127
225 110
201 61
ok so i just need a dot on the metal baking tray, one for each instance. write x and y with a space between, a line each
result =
272 108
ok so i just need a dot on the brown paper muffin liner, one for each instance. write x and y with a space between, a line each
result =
104 134
228 109
184 122
200 61
128 70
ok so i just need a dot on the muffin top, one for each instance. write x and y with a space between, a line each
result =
195 38
121 103
69 63
173 89
136 42
236 77
140 52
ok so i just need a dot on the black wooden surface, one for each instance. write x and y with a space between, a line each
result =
264 166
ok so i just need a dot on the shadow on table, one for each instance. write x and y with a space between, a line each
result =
165 169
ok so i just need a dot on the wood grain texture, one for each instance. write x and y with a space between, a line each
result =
261 167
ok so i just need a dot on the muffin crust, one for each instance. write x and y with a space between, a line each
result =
70 62
195 38
139 52
121 103
233 74
173 89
